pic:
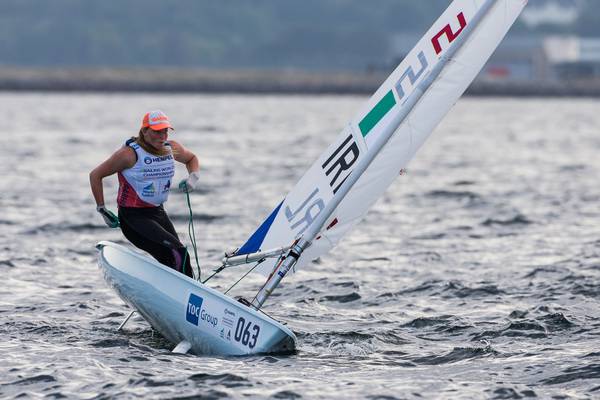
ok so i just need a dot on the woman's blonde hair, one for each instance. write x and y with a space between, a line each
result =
166 150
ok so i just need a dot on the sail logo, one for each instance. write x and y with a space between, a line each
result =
193 309
409 78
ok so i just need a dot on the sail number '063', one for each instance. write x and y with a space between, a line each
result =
246 333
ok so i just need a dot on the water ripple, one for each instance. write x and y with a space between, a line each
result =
476 276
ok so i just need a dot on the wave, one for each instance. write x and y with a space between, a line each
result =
456 289
510 393
113 342
7 263
446 289
471 197
535 328
518 219
33 327
448 324
571 374
49 228
342 298
456 355
286 394
228 380
33 380
424 322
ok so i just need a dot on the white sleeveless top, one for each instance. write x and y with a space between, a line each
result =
148 182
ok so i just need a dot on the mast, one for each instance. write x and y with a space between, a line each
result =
313 230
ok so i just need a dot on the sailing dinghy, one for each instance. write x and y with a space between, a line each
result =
333 195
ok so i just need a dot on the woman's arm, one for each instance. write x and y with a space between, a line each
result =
122 159
185 156
192 164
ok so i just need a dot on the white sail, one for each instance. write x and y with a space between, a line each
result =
442 65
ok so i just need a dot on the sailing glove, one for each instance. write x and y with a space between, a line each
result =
189 184
111 220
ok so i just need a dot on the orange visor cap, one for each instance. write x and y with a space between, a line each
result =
156 120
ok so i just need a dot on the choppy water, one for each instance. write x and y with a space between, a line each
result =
476 276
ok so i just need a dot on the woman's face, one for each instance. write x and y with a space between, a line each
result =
156 139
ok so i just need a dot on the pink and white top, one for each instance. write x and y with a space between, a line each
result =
148 182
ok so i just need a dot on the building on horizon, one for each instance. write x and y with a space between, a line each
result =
551 12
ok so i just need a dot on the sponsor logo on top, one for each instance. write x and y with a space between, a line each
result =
148 191
149 160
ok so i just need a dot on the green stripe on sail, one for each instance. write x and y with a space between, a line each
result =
377 113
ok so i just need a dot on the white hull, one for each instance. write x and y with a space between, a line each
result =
182 309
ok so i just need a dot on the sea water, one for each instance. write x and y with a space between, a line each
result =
475 276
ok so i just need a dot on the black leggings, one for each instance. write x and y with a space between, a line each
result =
150 229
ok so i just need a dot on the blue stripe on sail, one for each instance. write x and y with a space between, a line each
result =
253 244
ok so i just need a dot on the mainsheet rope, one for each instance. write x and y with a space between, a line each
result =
192 234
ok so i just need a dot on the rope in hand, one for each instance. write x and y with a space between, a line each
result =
192 233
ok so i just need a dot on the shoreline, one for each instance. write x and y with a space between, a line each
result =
288 81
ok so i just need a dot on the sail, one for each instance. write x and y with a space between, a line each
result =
411 103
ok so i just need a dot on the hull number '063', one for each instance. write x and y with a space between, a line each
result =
246 333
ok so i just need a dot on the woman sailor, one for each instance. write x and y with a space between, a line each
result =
145 169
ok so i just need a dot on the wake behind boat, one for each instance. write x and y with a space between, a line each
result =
333 195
